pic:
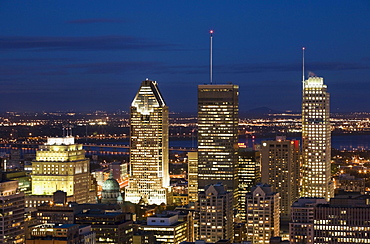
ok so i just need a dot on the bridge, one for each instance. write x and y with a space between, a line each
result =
91 148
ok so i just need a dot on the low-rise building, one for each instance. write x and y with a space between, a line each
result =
166 228
60 234
302 215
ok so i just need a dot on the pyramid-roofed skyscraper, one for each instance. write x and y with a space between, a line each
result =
149 172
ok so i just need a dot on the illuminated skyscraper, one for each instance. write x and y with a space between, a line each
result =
316 140
262 214
218 119
193 176
249 174
61 165
280 162
215 211
149 179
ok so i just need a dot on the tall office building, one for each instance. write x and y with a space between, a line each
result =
215 214
249 174
149 179
61 165
193 176
316 140
218 119
262 211
280 169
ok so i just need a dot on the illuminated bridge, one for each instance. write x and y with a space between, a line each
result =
91 148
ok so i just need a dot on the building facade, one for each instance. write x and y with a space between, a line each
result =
316 140
109 225
215 214
61 234
149 179
167 229
61 165
346 219
249 174
301 228
218 119
280 163
262 211
193 176
12 227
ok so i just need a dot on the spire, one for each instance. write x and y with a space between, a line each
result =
303 48
210 57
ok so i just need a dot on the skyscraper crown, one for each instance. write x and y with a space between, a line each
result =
148 97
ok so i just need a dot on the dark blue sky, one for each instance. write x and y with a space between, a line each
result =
93 55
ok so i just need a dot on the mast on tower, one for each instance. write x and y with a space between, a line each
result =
303 48
210 58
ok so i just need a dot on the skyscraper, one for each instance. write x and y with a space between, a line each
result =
218 119
149 175
61 165
193 176
215 211
249 174
316 140
280 169
262 214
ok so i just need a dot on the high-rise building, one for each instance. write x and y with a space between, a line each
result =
262 214
280 169
316 140
249 174
12 227
215 214
193 176
61 165
149 179
218 119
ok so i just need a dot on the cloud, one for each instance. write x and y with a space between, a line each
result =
79 43
281 67
115 67
156 67
93 21
37 60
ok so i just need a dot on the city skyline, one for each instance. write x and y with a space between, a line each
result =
55 57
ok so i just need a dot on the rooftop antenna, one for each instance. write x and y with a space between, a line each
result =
303 48
210 58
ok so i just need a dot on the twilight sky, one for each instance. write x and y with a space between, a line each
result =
92 55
